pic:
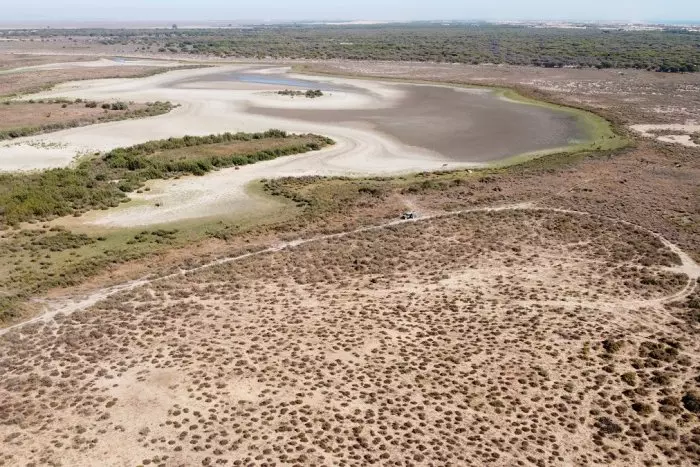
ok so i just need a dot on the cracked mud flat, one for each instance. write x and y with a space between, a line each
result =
677 133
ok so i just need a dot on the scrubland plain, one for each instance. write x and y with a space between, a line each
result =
500 337
542 313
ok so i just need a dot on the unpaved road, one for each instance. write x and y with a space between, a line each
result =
72 304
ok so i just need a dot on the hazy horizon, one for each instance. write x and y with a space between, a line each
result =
204 23
190 11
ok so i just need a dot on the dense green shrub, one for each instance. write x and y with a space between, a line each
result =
691 401
115 106
65 191
670 50
311 93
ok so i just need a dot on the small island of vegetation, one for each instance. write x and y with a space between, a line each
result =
310 94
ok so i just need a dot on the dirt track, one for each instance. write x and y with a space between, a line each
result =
426 341
70 305
523 334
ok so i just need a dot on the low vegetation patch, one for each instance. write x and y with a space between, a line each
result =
62 241
103 182
28 118
691 401
35 259
155 236
427 345
310 94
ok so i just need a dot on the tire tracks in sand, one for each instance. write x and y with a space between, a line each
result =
66 306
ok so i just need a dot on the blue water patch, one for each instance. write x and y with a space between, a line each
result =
124 59
280 81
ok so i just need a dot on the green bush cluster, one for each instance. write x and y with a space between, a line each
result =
115 106
156 236
667 50
53 193
56 100
117 157
65 191
141 167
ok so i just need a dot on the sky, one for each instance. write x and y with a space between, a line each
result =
398 10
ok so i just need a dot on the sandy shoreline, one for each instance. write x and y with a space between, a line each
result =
100 63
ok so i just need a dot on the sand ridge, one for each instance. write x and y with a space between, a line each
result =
99 63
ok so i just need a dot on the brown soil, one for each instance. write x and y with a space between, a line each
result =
504 338
9 61
14 83
17 115
490 337
652 184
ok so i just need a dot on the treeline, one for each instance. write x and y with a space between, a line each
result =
669 50
653 50
103 182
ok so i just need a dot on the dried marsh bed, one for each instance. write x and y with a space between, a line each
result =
11 84
504 338
17 60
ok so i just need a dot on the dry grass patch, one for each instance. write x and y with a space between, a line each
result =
34 81
23 114
12 60
26 118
